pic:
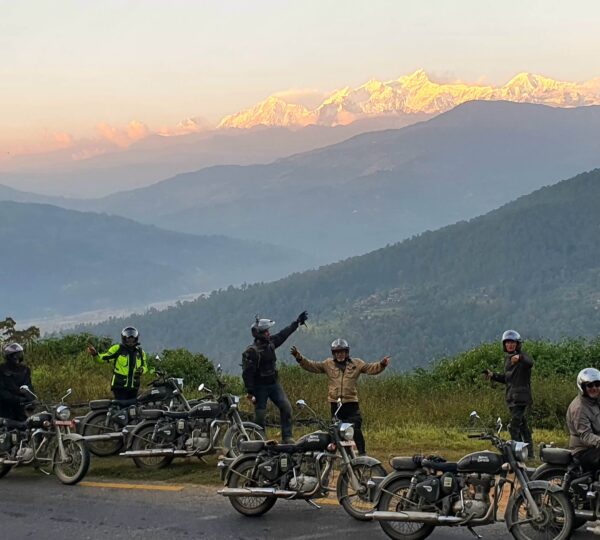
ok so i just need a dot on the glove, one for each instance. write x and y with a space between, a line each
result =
302 318
385 361
295 352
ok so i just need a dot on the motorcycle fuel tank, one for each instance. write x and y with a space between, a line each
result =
481 462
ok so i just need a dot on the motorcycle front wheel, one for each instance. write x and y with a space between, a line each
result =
555 522
358 503
95 424
241 477
394 499
145 439
76 463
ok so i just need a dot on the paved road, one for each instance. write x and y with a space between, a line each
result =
32 507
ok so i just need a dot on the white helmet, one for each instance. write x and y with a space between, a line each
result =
13 350
585 376
260 326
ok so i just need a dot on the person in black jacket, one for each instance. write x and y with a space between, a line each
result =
260 373
517 378
13 375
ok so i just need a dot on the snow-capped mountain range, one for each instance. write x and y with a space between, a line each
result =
410 94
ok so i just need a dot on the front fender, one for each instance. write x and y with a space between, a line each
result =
357 462
392 477
72 437
542 484
546 468
240 459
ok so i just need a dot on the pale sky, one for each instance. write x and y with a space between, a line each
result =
69 66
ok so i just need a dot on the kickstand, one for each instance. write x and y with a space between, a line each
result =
475 534
312 503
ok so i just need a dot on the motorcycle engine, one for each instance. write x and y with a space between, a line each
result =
303 483
25 454
476 496
197 441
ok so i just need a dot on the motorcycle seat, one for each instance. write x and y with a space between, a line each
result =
251 446
442 466
403 463
123 402
556 456
13 424
99 404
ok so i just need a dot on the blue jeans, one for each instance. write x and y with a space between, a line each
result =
276 394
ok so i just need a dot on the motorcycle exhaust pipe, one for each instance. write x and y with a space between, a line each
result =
8 462
257 492
105 437
421 517
585 514
155 452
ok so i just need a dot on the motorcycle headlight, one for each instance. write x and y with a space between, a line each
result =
520 450
236 399
347 432
179 382
63 412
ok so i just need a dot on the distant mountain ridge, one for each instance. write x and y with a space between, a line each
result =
533 265
56 261
412 94
379 187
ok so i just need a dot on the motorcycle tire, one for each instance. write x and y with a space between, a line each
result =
142 440
556 520
393 499
555 476
248 506
75 467
357 504
94 424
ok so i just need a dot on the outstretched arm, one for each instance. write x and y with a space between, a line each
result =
305 363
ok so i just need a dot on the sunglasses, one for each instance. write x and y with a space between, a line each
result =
595 384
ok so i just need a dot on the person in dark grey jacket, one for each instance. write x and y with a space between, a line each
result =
517 378
583 420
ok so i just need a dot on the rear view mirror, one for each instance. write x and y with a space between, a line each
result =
301 403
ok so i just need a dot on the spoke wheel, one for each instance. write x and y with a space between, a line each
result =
358 503
96 425
394 499
76 463
146 440
241 477
554 523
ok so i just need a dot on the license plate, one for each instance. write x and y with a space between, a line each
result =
67 423
347 443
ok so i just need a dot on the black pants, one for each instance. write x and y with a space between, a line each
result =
351 413
589 459
125 393
519 428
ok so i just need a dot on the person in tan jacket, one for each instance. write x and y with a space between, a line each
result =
343 373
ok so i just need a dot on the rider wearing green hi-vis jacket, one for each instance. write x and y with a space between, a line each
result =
129 361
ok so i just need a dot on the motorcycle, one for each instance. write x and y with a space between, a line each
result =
424 493
46 441
267 471
582 487
164 435
105 427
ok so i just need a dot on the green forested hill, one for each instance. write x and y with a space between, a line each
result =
56 261
533 264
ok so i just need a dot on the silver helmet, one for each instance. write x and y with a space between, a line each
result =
339 345
585 376
511 335
129 332
260 326
13 351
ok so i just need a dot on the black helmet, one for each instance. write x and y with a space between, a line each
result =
129 332
339 345
260 326
511 335
13 352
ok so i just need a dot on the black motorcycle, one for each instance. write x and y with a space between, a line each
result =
582 486
424 493
47 441
103 426
267 471
165 434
